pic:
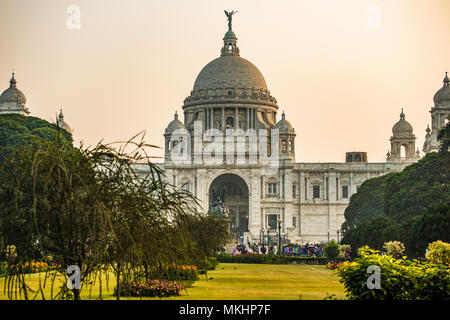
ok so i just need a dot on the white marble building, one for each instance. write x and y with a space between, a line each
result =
308 200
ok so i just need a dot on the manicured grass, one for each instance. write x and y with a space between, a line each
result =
247 281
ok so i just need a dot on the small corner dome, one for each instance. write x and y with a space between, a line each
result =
443 94
230 35
62 123
175 124
402 127
12 94
283 125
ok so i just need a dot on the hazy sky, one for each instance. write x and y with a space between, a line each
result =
340 78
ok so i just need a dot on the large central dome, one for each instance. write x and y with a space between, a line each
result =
230 71
230 79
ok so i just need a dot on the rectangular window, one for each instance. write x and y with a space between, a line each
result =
344 192
316 192
272 188
186 187
294 191
306 189
294 222
272 221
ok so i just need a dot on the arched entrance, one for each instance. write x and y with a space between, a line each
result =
234 192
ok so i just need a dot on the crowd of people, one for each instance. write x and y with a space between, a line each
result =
307 250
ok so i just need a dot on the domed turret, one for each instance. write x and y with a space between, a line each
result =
283 125
439 113
402 128
175 124
287 138
63 124
442 96
12 100
402 137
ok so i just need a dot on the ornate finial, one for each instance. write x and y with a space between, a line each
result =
230 17
428 130
402 115
446 79
60 116
13 81
283 116
176 115
230 47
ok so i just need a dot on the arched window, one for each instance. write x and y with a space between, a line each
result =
291 145
230 121
357 158
283 146
349 158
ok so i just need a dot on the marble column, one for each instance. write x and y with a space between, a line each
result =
254 217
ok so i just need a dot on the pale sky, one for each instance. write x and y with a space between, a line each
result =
340 80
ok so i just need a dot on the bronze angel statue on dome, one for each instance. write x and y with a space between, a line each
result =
230 17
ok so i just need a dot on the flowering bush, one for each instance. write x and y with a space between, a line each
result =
439 252
31 267
209 263
333 266
394 248
151 288
401 279
175 272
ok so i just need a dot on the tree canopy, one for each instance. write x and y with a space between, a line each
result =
412 206
16 130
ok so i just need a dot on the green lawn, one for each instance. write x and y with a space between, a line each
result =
247 281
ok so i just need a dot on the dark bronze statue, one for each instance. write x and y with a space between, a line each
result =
219 209
230 17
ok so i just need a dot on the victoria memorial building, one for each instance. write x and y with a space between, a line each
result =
252 164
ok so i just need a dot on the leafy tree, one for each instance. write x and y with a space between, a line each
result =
394 249
366 204
439 252
16 130
331 250
92 208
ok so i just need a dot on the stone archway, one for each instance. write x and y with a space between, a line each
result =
236 196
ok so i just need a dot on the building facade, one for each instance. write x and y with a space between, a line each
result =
230 145
305 200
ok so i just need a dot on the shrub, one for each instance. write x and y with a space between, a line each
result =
333 266
30 267
394 248
209 263
331 250
3 269
271 259
439 252
151 288
185 274
344 250
401 279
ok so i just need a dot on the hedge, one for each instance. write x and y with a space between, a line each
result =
273 259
